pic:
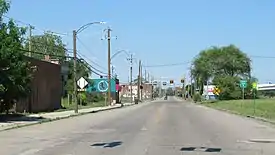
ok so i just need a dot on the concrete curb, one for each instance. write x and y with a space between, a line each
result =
237 113
15 126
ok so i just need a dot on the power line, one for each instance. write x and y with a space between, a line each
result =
168 65
82 55
86 56
92 66
46 44
79 60
264 57
28 24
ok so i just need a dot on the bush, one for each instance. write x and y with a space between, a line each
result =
83 98
197 97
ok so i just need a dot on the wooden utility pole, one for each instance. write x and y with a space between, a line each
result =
145 75
138 84
145 81
113 71
141 82
131 76
109 66
75 59
30 43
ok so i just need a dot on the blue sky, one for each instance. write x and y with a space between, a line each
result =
158 31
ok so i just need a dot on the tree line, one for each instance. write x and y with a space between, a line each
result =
16 72
223 67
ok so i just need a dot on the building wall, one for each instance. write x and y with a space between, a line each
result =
146 91
46 88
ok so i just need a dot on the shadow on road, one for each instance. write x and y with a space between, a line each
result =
17 117
201 149
108 145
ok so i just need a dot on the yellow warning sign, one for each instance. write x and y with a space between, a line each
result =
216 91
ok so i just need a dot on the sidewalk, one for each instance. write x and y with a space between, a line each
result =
45 117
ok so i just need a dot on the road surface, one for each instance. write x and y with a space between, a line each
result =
159 128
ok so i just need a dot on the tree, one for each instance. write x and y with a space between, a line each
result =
225 66
52 45
135 81
49 44
82 70
15 71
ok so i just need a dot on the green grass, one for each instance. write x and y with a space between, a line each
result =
263 107
69 106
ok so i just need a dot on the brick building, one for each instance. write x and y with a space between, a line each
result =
46 87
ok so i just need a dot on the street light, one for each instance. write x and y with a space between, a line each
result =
75 32
118 52
130 58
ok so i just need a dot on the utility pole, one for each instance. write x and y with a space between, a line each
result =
75 86
131 76
138 85
30 36
112 71
141 82
145 80
109 65
145 75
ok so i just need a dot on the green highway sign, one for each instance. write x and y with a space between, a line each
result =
243 83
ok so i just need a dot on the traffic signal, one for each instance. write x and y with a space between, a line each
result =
141 87
182 80
171 81
117 81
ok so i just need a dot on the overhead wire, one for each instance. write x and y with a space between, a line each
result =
168 65
86 56
90 67
35 27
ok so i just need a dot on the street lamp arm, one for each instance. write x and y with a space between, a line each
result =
118 52
87 25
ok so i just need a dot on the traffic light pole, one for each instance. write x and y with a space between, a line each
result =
138 83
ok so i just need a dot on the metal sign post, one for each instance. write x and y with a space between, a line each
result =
254 87
243 85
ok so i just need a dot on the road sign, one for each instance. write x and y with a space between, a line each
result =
164 83
216 91
243 83
254 85
101 85
82 83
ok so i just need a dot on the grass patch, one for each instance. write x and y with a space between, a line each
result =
69 106
263 107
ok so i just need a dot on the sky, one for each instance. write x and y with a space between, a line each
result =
158 32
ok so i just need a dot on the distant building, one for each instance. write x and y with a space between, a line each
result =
146 92
208 92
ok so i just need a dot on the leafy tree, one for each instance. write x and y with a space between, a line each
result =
82 70
49 44
225 66
52 45
15 71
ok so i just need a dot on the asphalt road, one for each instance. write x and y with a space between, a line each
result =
159 128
